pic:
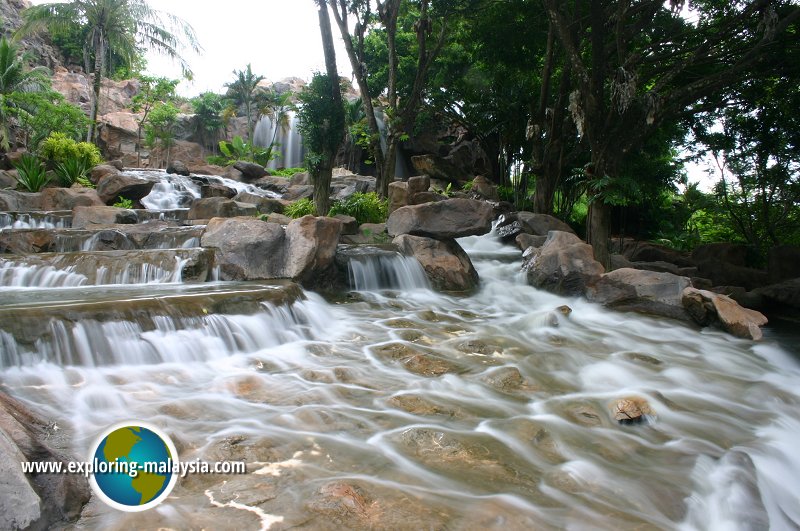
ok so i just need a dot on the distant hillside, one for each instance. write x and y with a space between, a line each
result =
38 48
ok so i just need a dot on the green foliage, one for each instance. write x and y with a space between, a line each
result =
85 182
237 149
31 173
320 121
123 203
208 122
366 208
17 83
71 170
300 208
60 148
287 172
160 128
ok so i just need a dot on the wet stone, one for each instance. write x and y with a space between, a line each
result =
631 410
417 405
642 359
584 414
505 379
416 361
400 323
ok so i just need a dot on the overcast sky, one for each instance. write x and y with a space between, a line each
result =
280 38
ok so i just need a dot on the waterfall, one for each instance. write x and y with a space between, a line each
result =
386 271
13 275
34 220
288 142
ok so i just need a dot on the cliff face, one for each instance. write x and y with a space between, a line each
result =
38 48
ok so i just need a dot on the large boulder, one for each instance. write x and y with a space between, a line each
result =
564 264
482 188
637 251
102 171
87 216
784 262
398 195
707 308
220 207
115 185
264 205
541 224
69 198
311 247
35 501
250 171
7 180
453 218
177 167
439 168
647 292
247 248
782 296
216 190
11 201
445 263
731 253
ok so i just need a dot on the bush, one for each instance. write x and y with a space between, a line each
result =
300 208
366 208
287 172
71 170
123 203
31 173
58 147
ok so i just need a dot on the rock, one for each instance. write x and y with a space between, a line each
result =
217 190
617 261
279 185
233 174
247 248
426 197
300 179
731 253
86 216
785 295
102 170
398 195
26 241
11 201
784 263
631 410
564 265
445 263
525 241
178 168
280 219
660 267
299 192
414 360
505 379
438 167
727 274
264 205
367 233
118 164
453 218
484 189
7 180
311 247
38 501
220 207
113 186
250 171
349 224
508 227
636 251
69 198
418 184
541 224
641 291
207 169
707 307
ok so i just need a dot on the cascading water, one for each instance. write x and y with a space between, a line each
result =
288 142
25 220
13 275
414 409
374 269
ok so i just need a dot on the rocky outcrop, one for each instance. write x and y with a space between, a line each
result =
454 218
86 216
646 292
220 207
563 265
112 187
177 167
727 274
12 201
251 249
708 308
782 297
69 198
541 224
35 501
445 263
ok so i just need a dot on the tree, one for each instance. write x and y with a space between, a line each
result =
15 78
153 91
242 91
114 26
208 122
160 129
640 64
322 118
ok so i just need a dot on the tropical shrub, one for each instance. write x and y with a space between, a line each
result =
300 208
123 203
70 170
58 147
287 172
366 208
31 173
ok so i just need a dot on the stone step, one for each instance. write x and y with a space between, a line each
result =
151 235
54 219
56 270
67 325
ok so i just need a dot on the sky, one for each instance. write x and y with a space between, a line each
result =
280 38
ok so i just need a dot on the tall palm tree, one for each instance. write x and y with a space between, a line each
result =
114 25
14 77
243 92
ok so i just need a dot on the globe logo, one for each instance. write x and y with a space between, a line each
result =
134 466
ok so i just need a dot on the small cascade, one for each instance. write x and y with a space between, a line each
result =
35 220
18 275
167 338
140 273
171 192
374 269
72 241
288 142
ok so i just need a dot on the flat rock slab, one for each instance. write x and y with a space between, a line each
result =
453 218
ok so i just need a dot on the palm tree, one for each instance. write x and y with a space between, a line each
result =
243 92
15 78
117 26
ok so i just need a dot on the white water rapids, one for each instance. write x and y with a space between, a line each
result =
484 412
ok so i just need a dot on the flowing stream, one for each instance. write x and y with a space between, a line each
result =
418 410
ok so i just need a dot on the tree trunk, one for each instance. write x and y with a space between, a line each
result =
545 191
99 65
